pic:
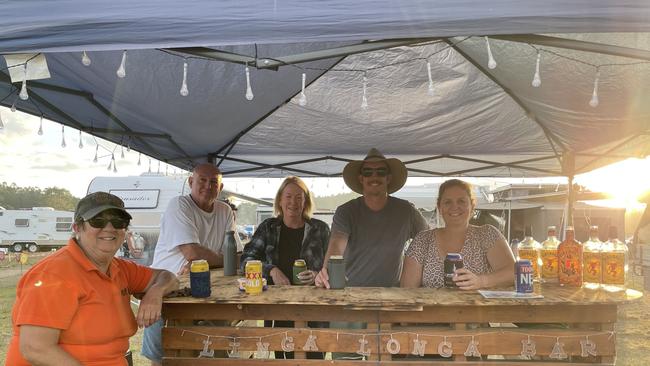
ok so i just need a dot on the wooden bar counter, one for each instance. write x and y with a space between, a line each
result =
404 326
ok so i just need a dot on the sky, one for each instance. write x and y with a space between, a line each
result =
28 159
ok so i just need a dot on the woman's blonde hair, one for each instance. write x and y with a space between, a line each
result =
309 202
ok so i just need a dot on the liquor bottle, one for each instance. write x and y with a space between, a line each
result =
569 256
529 249
614 262
593 259
548 256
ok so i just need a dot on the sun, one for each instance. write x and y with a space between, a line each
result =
625 181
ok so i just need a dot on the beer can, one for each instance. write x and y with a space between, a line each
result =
524 276
299 266
200 278
453 261
254 283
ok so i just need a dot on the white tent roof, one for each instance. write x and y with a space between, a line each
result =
478 122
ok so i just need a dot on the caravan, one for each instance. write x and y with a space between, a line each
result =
34 229
146 198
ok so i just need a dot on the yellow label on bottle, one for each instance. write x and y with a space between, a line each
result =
549 263
614 268
570 264
531 255
592 267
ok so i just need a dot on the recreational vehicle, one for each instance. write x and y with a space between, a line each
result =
35 228
145 197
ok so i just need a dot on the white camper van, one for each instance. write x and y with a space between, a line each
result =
145 197
35 228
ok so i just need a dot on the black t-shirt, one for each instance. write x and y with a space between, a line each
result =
289 248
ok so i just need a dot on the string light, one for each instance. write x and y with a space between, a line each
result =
110 164
81 143
537 81
23 89
121 71
430 91
364 100
139 158
13 105
96 152
491 63
40 127
85 60
122 151
128 144
594 95
184 91
249 91
303 98
63 145
114 163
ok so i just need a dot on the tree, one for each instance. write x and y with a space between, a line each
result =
13 197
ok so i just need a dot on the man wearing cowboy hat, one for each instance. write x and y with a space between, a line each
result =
371 231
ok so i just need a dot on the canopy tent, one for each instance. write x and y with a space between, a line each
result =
477 121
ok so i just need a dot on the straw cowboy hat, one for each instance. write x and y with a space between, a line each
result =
398 172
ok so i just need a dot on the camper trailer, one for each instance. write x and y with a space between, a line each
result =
35 229
145 197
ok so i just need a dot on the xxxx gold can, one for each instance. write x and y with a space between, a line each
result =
254 283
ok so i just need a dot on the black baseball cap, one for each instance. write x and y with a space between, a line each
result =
96 203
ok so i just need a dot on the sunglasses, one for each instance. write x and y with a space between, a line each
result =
368 172
101 222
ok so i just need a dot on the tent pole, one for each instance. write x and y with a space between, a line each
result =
568 168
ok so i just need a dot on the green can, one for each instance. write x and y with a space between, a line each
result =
299 266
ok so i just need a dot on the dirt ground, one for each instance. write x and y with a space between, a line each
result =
632 328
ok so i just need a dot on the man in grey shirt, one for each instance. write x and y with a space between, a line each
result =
371 231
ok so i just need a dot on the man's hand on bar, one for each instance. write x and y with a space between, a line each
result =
323 278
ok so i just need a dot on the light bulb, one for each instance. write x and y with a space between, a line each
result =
594 96
114 166
13 105
184 90
110 165
491 63
63 145
85 60
537 81
23 89
40 127
249 91
96 151
364 100
2 125
121 72
303 98
81 143
430 91
122 152
139 159
128 145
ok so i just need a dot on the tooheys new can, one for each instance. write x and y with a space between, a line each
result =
299 266
524 276
200 278
254 283
453 261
